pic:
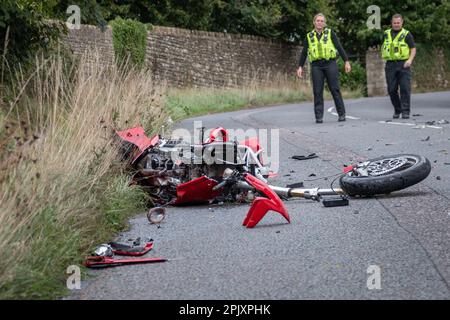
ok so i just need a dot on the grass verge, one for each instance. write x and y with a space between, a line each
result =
190 102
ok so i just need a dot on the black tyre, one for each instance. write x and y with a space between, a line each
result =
386 174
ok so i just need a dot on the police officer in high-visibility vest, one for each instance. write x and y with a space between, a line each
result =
399 51
322 45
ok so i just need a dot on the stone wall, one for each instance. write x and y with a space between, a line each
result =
429 72
209 59
376 79
193 58
90 39
197 58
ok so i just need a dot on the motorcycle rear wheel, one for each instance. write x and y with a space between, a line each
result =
387 174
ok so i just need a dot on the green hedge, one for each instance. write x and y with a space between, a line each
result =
130 41
354 80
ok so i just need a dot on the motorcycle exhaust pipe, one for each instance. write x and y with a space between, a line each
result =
297 192
305 192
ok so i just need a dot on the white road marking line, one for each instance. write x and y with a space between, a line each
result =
330 110
409 124
398 123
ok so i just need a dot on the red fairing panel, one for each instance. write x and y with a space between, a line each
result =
138 137
252 143
102 262
197 190
215 134
261 205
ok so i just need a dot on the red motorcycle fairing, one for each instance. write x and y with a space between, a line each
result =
215 134
261 205
197 190
138 137
103 262
253 143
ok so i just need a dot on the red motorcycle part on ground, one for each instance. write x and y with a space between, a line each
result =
197 190
124 250
138 137
261 205
347 169
102 262
214 134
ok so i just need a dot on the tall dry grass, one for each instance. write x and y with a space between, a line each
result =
60 167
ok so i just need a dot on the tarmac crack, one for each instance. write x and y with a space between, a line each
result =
427 253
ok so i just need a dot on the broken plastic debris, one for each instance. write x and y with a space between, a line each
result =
433 122
295 185
310 156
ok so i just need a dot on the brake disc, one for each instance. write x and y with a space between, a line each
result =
384 166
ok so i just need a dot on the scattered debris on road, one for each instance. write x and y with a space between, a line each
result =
433 122
335 201
104 262
295 185
156 215
310 156
103 254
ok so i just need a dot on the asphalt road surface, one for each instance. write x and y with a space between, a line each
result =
324 253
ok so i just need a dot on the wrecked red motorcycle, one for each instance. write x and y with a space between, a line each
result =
175 172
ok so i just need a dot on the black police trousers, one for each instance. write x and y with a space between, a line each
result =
397 76
321 70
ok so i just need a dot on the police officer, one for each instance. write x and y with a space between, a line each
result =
399 51
320 45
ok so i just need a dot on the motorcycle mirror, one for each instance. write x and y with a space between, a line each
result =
156 215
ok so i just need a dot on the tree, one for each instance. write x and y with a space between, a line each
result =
23 31
287 20
427 20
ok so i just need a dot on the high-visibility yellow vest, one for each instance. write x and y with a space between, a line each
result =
397 48
321 49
